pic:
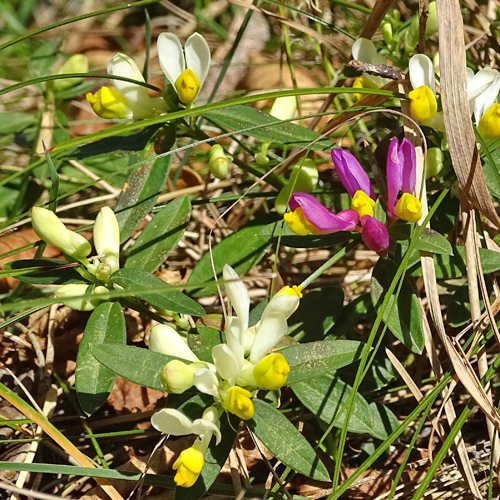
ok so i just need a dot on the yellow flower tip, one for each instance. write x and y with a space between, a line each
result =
489 124
291 291
362 82
187 86
298 223
238 401
271 371
409 208
188 467
363 204
423 105
108 103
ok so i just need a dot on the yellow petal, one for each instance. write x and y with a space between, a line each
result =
363 204
489 124
187 86
423 104
362 82
271 371
238 401
188 467
108 103
298 223
409 208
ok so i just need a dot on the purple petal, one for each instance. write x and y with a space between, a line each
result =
320 217
374 234
401 171
394 170
351 173
409 158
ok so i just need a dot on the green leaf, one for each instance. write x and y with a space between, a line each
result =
317 313
136 364
285 442
384 420
242 117
140 193
160 236
459 312
166 296
453 266
44 272
94 381
316 358
242 250
202 340
492 173
429 241
327 395
402 315
360 309
14 122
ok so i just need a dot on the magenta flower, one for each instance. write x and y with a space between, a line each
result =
401 176
308 215
374 234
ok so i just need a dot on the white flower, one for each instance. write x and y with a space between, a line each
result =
187 70
365 50
482 90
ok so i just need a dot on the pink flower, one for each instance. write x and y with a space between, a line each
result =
374 234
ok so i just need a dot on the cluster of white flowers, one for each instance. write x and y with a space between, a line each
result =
239 366
186 70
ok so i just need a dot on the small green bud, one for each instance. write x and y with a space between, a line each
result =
103 272
107 239
75 64
431 26
71 296
219 162
434 162
177 377
386 29
303 179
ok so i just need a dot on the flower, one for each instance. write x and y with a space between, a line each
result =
374 234
365 50
127 99
71 296
219 162
50 229
166 340
187 70
423 106
191 460
271 371
401 176
238 401
308 215
482 92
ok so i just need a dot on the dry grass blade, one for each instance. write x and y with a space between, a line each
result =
458 124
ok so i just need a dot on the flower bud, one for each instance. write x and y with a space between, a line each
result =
284 107
238 401
188 467
177 376
77 63
50 229
102 272
431 25
434 162
71 296
304 178
107 238
187 86
108 103
219 162
271 371
386 29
